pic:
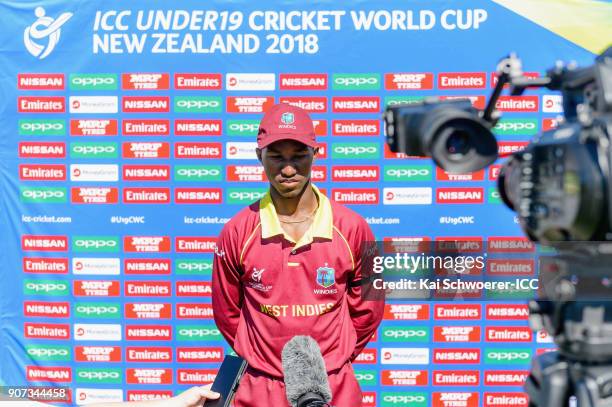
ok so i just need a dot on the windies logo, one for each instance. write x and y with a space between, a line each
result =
288 118
43 27
326 276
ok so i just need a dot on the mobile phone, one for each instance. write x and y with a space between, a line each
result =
227 380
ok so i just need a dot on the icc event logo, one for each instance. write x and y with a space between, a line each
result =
44 29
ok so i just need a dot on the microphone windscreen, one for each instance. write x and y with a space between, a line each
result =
304 369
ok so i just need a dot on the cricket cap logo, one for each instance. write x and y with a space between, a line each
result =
287 118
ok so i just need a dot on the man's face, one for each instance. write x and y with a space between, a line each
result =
287 164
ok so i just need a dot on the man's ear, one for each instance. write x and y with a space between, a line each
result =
315 151
258 152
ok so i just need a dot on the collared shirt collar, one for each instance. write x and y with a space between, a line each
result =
322 224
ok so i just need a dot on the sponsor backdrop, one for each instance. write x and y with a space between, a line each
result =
127 140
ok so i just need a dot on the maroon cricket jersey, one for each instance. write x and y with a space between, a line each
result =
266 288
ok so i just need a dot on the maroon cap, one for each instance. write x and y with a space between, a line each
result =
286 122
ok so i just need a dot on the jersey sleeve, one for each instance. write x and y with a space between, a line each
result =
366 307
226 286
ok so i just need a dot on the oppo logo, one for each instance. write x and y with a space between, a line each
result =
515 126
95 243
404 399
42 126
194 266
98 375
96 310
198 173
46 287
198 104
503 356
93 81
243 127
47 353
407 172
198 332
346 150
355 81
405 333
43 194
364 376
93 149
251 196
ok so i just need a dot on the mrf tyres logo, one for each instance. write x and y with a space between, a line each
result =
44 29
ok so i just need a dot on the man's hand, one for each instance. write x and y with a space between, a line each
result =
193 397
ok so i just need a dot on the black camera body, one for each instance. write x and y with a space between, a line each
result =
560 184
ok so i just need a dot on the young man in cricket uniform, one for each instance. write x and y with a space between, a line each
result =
290 264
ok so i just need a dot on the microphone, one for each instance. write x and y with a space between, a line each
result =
306 381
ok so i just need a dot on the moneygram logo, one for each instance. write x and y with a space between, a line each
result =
552 104
408 173
241 150
356 150
98 395
250 81
244 195
94 172
193 266
97 332
99 244
197 104
94 150
506 127
42 127
197 173
404 356
405 334
365 81
48 353
93 81
43 195
198 333
94 104
43 28
407 196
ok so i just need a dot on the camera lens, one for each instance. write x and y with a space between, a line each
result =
457 145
